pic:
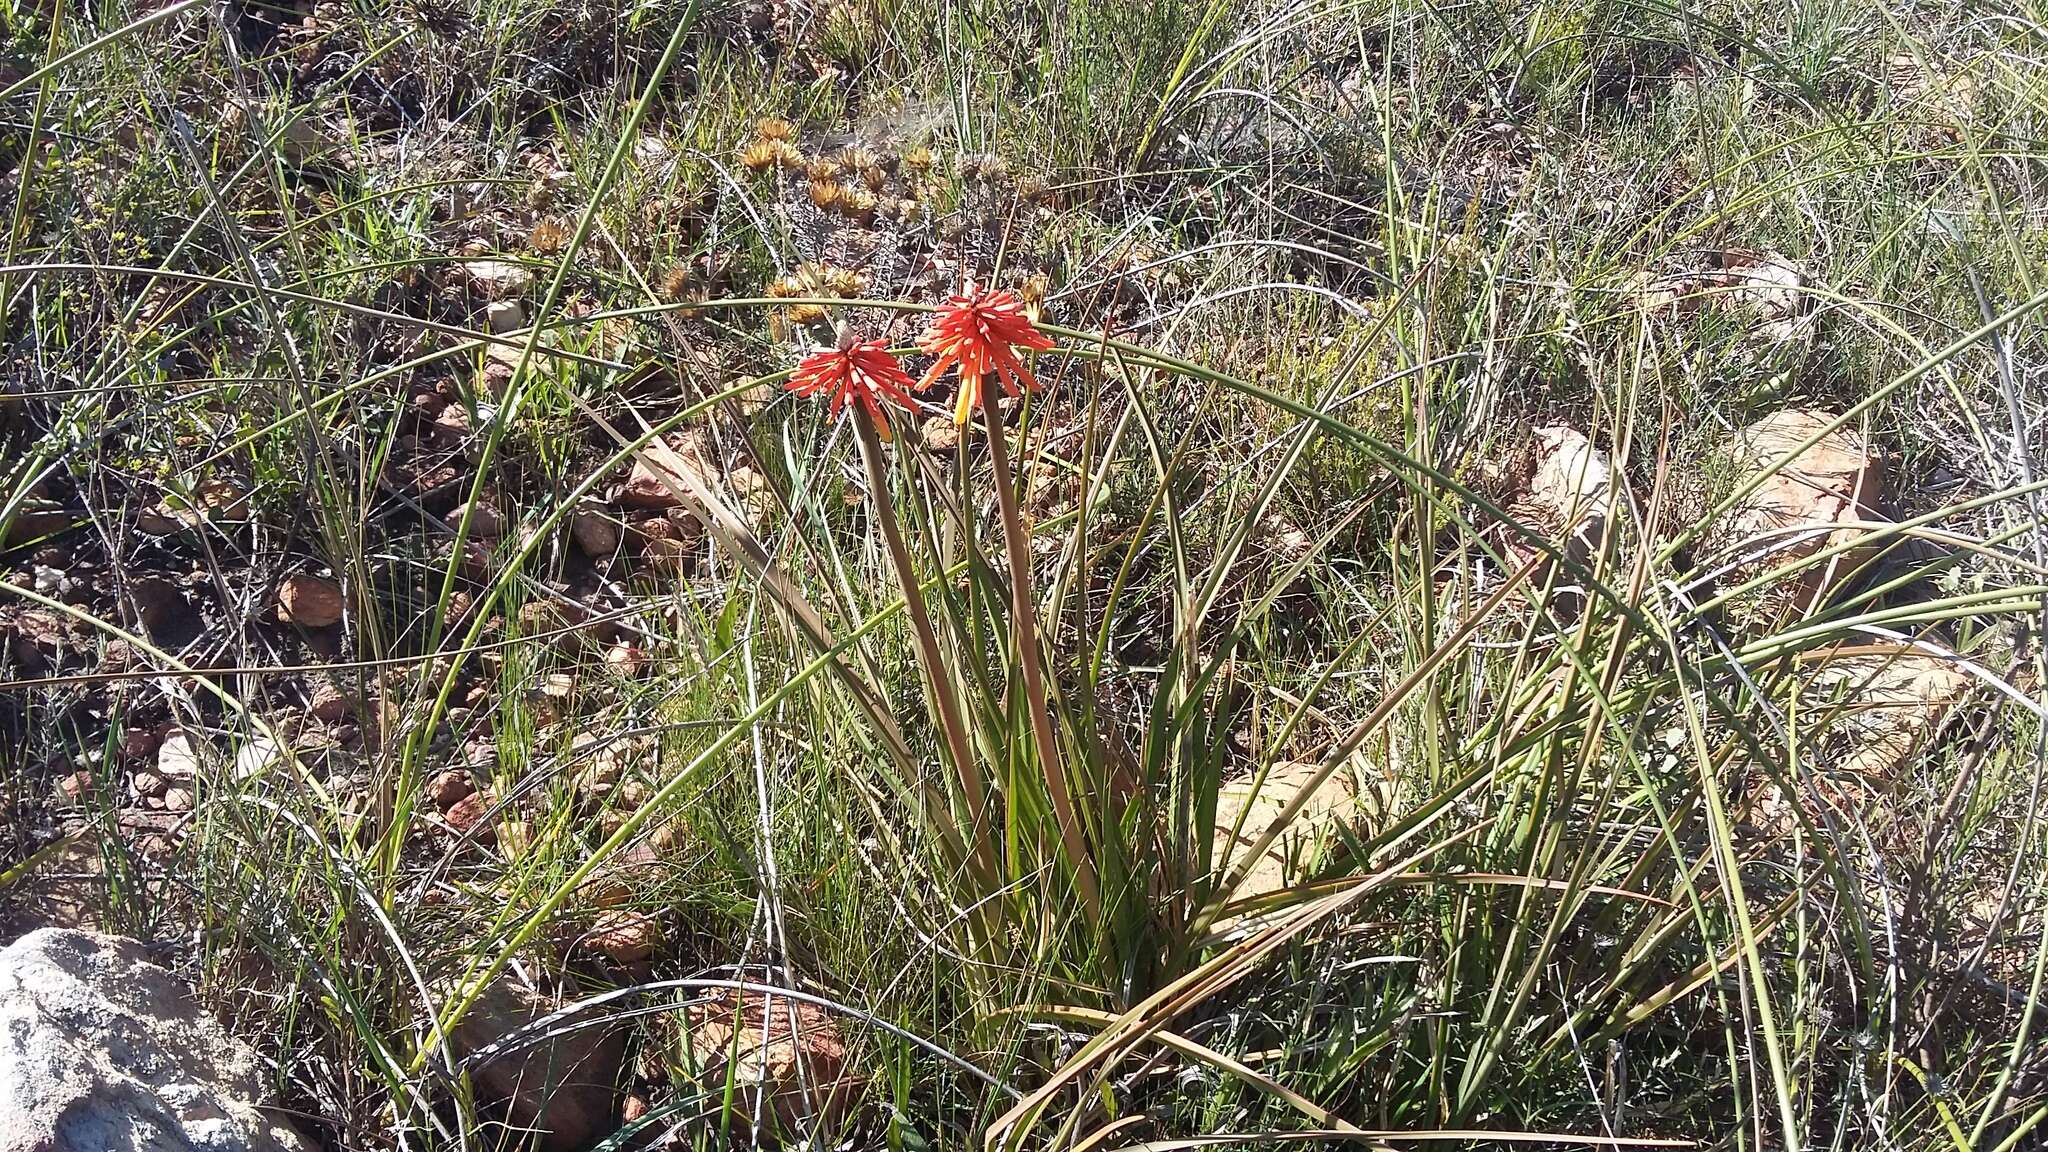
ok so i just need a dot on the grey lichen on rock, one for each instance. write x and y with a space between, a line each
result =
103 1051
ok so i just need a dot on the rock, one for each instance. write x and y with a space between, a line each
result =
160 603
101 1049
1894 697
466 816
258 755
627 660
1807 505
1567 497
654 484
791 1048
1334 804
34 523
595 532
308 601
450 788
148 784
564 1088
484 521
178 798
497 279
177 758
504 316
623 936
327 702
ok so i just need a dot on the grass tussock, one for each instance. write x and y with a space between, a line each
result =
1370 692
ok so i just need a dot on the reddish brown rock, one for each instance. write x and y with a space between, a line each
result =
790 1048
309 601
449 788
623 936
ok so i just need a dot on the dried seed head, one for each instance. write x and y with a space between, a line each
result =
759 156
786 155
827 194
677 283
874 177
857 202
853 157
1032 188
548 236
775 128
805 313
821 170
783 287
985 167
843 282
919 160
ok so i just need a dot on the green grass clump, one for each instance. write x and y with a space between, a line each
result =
955 744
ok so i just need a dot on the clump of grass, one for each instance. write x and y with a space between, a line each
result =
941 731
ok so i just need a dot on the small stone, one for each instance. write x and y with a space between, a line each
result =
505 316
308 601
449 788
159 603
497 279
623 936
178 799
596 533
466 816
148 784
793 1050
328 703
76 786
429 404
484 521
655 482
627 660
633 1108
177 758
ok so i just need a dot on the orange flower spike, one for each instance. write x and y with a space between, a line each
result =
861 371
978 333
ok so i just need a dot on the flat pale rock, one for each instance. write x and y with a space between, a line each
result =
1813 502
103 1051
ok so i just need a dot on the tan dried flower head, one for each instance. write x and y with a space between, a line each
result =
1032 188
548 236
786 154
821 169
1032 291
853 157
827 194
857 202
679 283
986 167
805 313
919 160
759 155
774 128
874 177
783 287
843 282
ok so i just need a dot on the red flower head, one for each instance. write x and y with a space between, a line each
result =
856 370
977 332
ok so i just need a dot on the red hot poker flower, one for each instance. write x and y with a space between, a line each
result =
860 370
977 331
